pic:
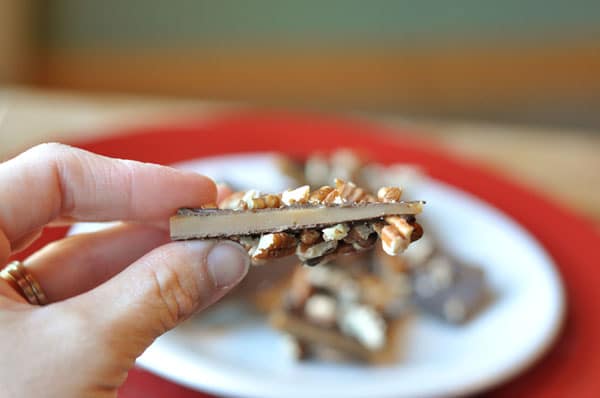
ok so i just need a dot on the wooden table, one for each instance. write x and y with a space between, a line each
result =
565 164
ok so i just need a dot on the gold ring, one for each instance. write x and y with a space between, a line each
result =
20 279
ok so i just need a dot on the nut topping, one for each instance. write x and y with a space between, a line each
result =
264 202
337 232
333 197
350 193
250 200
392 241
320 194
249 243
296 196
401 225
396 236
364 244
389 194
233 201
310 237
249 197
275 245
320 249
359 232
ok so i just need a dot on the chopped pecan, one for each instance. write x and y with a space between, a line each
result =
344 248
250 243
296 196
264 202
392 241
320 194
232 201
306 252
350 193
341 249
389 194
359 232
396 235
337 232
275 245
364 244
310 236
272 201
333 197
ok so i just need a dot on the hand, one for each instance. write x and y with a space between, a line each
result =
111 293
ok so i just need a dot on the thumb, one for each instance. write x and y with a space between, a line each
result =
160 290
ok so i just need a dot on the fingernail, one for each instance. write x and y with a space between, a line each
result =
227 263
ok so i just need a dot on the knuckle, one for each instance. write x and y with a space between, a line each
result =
65 166
172 292
48 149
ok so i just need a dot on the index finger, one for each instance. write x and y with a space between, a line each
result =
55 180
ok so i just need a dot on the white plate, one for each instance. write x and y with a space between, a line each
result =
248 359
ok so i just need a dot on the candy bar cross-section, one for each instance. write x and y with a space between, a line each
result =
317 226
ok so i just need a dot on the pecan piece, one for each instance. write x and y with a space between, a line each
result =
250 243
264 202
364 244
389 194
306 252
310 237
233 201
350 193
396 235
341 249
359 232
275 245
248 199
392 241
320 194
333 197
296 196
337 232
402 225
272 201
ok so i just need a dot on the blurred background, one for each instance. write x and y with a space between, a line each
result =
468 72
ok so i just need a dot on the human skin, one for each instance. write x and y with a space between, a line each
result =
112 292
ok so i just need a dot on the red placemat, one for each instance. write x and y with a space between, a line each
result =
571 368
